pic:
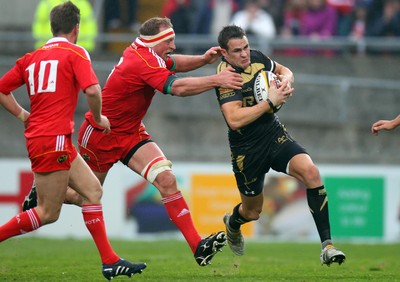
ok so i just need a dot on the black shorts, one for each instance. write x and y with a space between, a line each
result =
250 168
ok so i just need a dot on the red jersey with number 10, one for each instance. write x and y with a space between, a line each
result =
54 75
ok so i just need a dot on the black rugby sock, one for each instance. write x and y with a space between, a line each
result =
318 204
236 218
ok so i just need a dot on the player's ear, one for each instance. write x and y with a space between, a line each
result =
75 32
224 52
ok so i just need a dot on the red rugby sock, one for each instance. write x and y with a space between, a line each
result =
179 213
22 223
94 221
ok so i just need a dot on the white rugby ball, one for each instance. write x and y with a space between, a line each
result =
262 84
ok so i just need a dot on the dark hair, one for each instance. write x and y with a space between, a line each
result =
229 32
152 26
64 18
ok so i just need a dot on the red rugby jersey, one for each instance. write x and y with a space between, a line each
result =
130 87
53 75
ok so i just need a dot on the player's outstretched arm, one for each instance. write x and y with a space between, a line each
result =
190 86
385 125
12 106
186 63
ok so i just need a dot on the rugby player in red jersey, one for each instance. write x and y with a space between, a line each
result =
54 74
147 65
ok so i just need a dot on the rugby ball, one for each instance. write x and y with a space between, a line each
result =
262 84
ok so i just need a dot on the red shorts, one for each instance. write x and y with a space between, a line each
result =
102 151
51 153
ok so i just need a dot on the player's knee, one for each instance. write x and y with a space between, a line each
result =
155 168
91 196
95 196
311 175
166 183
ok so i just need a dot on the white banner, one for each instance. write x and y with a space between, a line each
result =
364 203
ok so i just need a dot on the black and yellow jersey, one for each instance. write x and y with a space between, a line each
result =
247 138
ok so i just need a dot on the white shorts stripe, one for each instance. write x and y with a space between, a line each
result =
86 135
60 142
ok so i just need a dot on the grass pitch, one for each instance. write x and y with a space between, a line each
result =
32 259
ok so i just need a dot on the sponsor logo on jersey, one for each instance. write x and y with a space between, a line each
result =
226 94
50 46
282 139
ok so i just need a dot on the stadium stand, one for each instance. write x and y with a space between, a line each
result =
336 99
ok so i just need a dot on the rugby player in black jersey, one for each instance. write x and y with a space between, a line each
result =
259 142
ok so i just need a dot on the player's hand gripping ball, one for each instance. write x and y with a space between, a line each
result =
262 84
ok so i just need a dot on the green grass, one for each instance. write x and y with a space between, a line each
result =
32 259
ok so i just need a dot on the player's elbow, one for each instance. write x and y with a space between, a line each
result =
234 125
179 91
93 90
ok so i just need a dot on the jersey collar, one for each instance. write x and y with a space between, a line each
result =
57 39
139 42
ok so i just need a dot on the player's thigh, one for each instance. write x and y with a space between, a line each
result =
101 176
303 168
51 188
144 155
83 181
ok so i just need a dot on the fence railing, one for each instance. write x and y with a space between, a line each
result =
191 43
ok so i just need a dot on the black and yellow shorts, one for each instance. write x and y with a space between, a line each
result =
250 168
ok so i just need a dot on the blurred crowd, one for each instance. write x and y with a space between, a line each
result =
315 19
288 18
